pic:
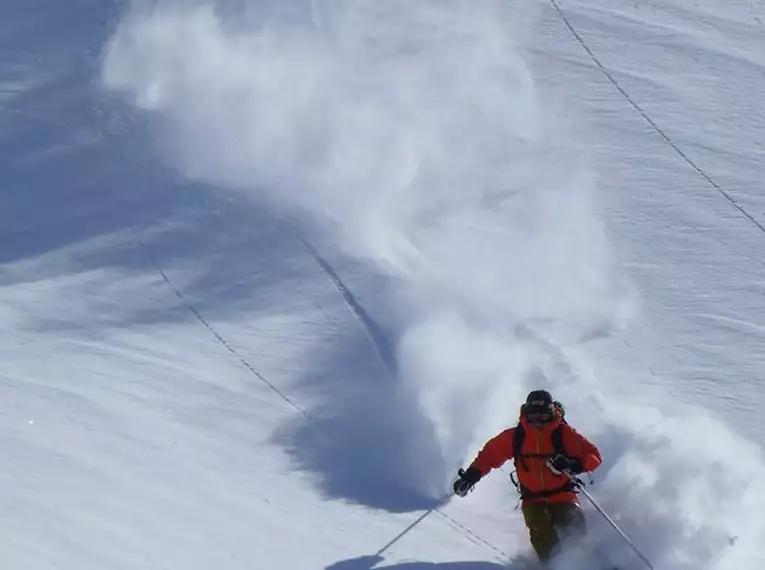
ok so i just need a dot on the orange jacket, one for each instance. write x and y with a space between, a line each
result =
534 474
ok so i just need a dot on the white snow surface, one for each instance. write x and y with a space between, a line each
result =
272 270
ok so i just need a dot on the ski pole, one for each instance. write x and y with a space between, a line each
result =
410 527
580 485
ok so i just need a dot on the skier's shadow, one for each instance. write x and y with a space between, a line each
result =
371 563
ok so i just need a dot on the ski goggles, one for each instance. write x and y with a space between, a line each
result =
539 412
539 418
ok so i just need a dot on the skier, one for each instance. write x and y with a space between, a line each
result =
544 448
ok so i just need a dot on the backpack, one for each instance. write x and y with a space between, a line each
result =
558 449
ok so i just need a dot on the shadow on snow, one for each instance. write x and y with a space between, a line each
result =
371 562
78 171
366 440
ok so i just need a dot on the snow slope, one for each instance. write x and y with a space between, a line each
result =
272 271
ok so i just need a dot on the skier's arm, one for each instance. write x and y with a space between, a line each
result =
582 449
496 451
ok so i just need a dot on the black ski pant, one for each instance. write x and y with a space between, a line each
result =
548 523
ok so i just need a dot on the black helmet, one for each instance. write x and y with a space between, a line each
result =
539 399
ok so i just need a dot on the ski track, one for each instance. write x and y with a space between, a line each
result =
375 338
561 362
648 119
371 328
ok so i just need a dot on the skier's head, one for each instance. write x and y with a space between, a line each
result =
538 409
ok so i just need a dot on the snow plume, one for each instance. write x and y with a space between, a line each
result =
413 134
685 488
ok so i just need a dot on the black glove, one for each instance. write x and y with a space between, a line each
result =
466 480
561 463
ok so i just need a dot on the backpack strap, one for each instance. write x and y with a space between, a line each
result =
520 435
557 440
